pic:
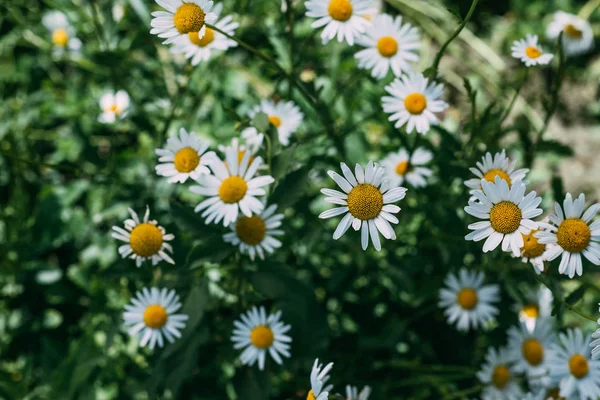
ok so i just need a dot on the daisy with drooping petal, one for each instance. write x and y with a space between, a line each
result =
530 52
506 213
184 156
146 240
530 350
413 102
578 36
258 334
342 18
151 316
537 305
183 17
318 378
534 252
572 235
498 376
352 393
285 116
401 166
62 33
492 166
232 188
467 301
366 202
114 106
389 45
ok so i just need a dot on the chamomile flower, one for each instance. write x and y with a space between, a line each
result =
467 301
414 102
353 394
530 350
255 235
114 106
318 378
342 18
530 52
62 33
572 234
146 240
389 45
365 202
285 116
183 17
497 165
596 343
537 305
570 364
250 140
506 215
201 49
151 316
258 334
403 166
232 188
498 376
183 157
533 251
578 37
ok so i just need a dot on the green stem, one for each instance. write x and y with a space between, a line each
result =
555 88
515 97
464 393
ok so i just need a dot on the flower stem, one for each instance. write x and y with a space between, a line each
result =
515 97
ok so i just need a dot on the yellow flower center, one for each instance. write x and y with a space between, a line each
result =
533 52
467 298
311 395
189 18
145 240
415 103
573 235
340 10
532 248
402 167
155 316
387 46
501 376
233 189
60 37
205 40
493 173
275 121
262 337
505 217
251 230
533 351
365 201
579 366
530 310
186 160
573 32
554 394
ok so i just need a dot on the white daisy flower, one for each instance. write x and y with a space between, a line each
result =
578 36
318 378
530 52
151 316
413 102
498 376
62 33
534 252
200 49
256 234
401 166
184 156
353 394
258 334
537 305
467 301
570 364
342 18
146 240
572 235
183 17
541 395
114 106
366 203
285 116
250 140
492 166
530 350
390 45
506 213
231 189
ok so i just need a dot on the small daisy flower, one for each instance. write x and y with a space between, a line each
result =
530 349
285 116
578 37
256 234
114 106
401 166
492 166
232 188
146 240
258 334
249 140
184 156
570 364
342 18
389 45
533 251
366 203
467 301
62 33
498 376
506 213
183 17
413 102
318 378
530 52
353 394
537 305
151 317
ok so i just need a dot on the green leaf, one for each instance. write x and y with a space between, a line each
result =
454 10
282 162
558 188
252 384
261 122
552 146
188 221
291 188
575 295
141 10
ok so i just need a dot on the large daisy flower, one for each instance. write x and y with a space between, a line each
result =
231 189
62 33
506 213
353 394
578 36
530 350
467 301
258 334
498 376
530 52
389 45
145 239
365 201
184 156
413 102
183 17
342 18
285 116
402 166
318 378
492 166
537 305
114 106
572 235
151 316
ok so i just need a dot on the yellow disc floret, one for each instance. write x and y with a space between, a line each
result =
573 235
275 121
203 41
533 52
501 376
365 201
505 217
533 351
340 10
402 167
311 395
60 37
467 298
146 240
573 32
186 160
532 247
415 103
251 230
530 310
579 366
189 17
155 316
262 337
387 46
493 173
233 189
